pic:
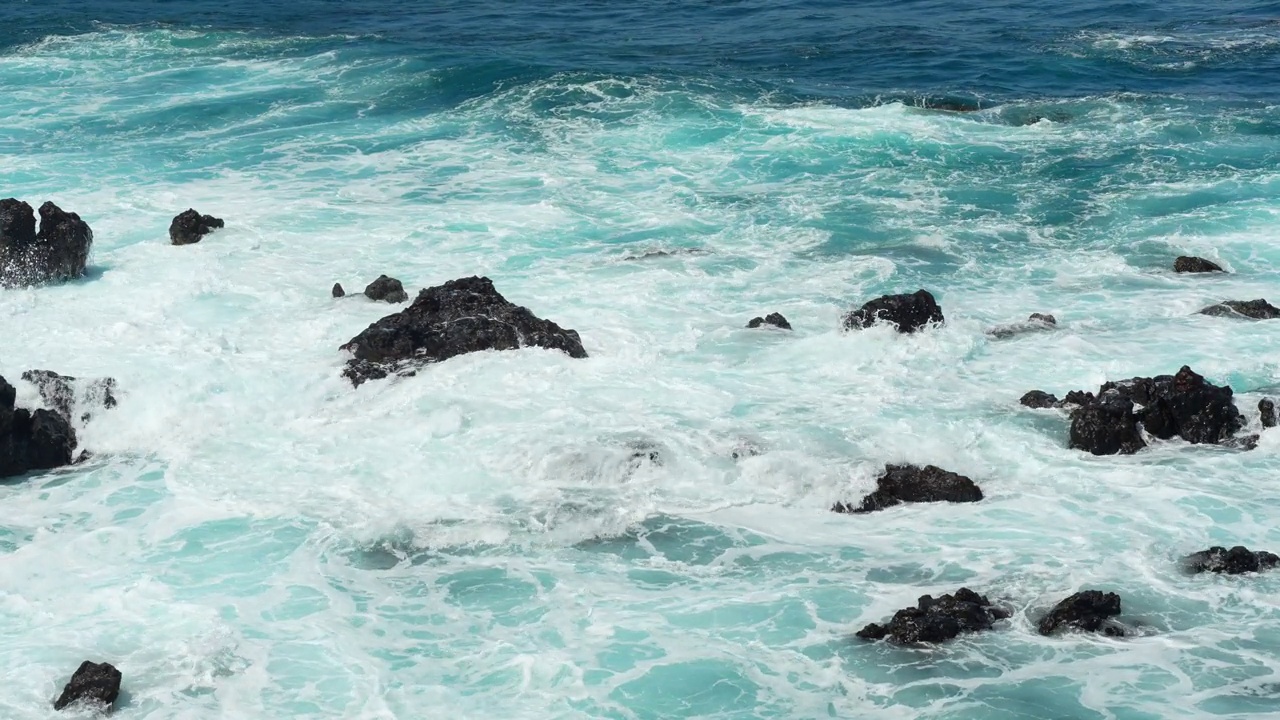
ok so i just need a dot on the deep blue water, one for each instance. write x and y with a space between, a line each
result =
257 539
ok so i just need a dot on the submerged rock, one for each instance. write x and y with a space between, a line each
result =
910 483
1189 264
460 316
62 392
774 319
95 685
1090 610
1235 561
1267 408
190 227
907 312
39 440
58 252
1040 400
338 291
936 620
1253 309
386 289
1037 322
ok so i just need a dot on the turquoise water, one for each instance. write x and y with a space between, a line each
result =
254 538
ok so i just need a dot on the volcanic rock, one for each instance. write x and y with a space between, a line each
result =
774 319
1090 610
936 620
907 312
1253 309
1235 561
58 252
96 685
190 227
38 440
910 483
1188 264
386 289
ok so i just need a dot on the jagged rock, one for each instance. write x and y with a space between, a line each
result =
95 685
774 319
58 252
1090 610
60 394
386 289
1106 426
39 440
910 483
1235 561
1189 264
1077 397
460 316
338 291
936 620
1040 400
190 227
1267 408
907 313
1253 309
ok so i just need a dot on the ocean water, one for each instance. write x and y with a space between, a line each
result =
523 535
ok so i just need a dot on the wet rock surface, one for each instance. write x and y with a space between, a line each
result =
1235 561
64 394
1258 309
460 316
1191 264
774 319
935 620
1089 611
386 289
910 483
190 227
31 440
1037 322
1267 411
58 252
907 313
93 686
338 291
1039 399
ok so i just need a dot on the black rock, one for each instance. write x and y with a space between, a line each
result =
38 440
386 289
910 483
58 252
1253 309
936 620
1090 611
907 313
190 227
338 291
1188 406
1106 426
1267 407
96 685
1037 322
1077 398
60 392
774 319
1039 399
460 316
1188 264
1235 561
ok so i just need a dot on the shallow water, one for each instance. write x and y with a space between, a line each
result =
493 536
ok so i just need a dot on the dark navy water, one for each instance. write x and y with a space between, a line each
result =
524 535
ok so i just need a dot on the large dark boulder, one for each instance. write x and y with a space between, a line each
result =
39 440
94 686
58 252
936 620
1090 610
1189 264
190 227
460 316
1235 561
1253 309
907 313
774 319
1106 426
63 393
910 483
386 289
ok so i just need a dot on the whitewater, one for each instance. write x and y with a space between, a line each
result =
645 533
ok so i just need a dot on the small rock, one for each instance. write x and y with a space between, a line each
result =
1037 322
1043 318
1106 426
1090 611
1253 309
1039 399
910 483
936 620
338 291
95 684
1235 561
774 319
1267 407
907 312
386 289
1189 264
189 227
